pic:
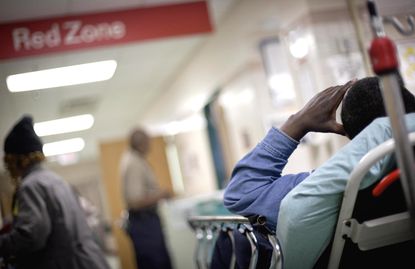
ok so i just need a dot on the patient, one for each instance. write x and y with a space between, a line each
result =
257 186
308 214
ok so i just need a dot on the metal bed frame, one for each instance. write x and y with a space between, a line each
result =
205 228
374 233
368 235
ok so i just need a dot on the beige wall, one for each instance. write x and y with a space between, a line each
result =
196 162
228 48
232 46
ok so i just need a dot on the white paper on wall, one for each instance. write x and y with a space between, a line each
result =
406 51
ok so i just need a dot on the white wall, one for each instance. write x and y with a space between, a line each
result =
228 48
196 162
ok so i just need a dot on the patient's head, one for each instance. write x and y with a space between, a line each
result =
363 103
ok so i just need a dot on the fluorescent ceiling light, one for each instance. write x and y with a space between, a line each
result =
282 86
62 76
300 47
242 97
64 125
189 124
63 147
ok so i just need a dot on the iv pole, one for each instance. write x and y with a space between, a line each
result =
385 64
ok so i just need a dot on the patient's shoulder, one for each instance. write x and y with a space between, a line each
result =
384 122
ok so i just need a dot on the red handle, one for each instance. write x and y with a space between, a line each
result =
386 182
383 55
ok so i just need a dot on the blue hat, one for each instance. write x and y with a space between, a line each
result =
22 138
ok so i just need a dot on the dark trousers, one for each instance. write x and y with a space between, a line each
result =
148 239
223 251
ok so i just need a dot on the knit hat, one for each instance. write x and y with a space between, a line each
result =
22 138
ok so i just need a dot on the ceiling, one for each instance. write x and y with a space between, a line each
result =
143 73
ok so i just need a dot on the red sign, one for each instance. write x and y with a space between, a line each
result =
102 29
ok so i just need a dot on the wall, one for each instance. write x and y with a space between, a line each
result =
195 162
229 47
243 111
234 45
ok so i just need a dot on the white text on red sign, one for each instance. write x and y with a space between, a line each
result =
68 33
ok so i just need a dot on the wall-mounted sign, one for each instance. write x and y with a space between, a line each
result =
43 36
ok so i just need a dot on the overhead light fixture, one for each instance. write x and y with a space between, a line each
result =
300 42
191 123
244 96
63 147
64 125
299 48
282 87
62 76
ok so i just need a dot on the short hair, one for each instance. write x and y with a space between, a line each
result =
139 140
363 103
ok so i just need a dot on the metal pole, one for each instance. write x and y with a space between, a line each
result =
199 248
203 225
276 253
248 232
232 264
385 65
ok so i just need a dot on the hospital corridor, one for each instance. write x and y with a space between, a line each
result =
207 134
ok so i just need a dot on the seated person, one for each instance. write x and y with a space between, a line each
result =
257 186
308 214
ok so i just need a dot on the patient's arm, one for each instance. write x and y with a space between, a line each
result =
257 186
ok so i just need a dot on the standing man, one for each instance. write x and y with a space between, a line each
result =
49 229
142 194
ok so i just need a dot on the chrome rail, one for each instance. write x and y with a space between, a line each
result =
207 228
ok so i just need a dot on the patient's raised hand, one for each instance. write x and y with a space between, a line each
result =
319 114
